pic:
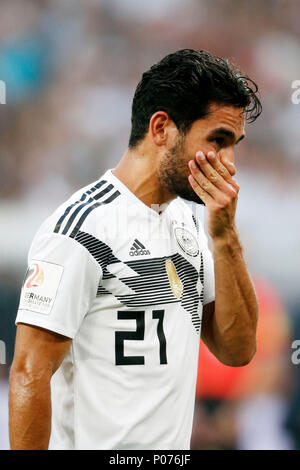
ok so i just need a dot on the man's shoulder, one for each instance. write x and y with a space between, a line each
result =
77 212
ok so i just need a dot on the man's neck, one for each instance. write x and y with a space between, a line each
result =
139 172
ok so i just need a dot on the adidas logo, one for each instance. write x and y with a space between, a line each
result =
138 249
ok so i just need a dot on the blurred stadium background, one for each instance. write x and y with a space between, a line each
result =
71 68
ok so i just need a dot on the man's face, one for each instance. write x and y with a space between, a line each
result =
219 131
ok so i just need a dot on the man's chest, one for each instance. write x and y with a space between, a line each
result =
151 265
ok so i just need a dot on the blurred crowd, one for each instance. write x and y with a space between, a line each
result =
70 69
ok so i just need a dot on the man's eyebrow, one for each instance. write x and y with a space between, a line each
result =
222 131
241 138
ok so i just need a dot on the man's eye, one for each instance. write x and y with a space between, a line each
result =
219 141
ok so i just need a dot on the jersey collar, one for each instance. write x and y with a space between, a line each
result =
157 210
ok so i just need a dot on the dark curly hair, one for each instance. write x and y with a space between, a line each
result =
184 84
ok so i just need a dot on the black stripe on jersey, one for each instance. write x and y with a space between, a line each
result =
136 246
84 195
196 222
201 276
78 209
111 198
150 285
100 251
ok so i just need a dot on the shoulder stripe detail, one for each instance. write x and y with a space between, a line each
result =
101 252
111 198
104 191
91 199
83 197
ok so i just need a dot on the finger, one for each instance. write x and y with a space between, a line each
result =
204 182
225 168
203 195
229 165
213 176
219 166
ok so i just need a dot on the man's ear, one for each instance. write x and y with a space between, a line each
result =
158 127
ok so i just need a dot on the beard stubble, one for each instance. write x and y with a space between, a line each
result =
173 173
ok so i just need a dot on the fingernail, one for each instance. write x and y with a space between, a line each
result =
211 155
200 155
193 165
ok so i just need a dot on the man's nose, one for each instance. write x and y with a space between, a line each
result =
227 158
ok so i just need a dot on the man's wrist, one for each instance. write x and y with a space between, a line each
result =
229 239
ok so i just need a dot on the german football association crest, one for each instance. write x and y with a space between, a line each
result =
186 240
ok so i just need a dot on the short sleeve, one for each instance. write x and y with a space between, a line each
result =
60 284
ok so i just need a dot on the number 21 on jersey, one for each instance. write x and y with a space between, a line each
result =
138 335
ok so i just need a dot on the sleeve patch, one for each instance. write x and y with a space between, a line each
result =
40 286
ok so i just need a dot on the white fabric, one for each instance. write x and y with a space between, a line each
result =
130 251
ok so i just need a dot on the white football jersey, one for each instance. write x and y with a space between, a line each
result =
128 284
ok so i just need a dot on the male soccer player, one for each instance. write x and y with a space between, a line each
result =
120 277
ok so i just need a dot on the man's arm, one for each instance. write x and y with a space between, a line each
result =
229 324
38 354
